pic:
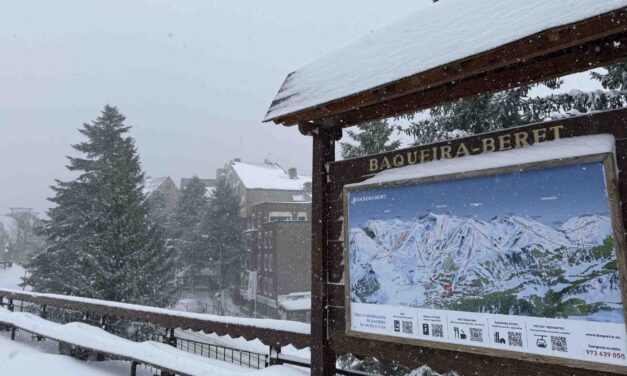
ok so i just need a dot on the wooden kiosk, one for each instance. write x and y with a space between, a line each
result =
363 82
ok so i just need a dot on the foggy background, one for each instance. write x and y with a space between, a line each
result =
194 78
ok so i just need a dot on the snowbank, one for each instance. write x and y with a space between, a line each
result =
559 149
22 358
442 33
154 353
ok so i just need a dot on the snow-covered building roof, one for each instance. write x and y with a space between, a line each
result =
442 33
152 184
296 301
165 186
268 175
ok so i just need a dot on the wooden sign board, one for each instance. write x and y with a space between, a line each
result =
518 253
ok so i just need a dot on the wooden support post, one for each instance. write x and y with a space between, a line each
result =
103 323
322 357
44 315
11 308
275 351
169 340
134 368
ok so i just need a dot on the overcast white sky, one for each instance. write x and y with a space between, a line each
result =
191 76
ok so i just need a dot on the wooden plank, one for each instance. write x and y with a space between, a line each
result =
335 230
335 262
609 122
337 295
336 210
506 57
336 320
445 360
621 154
269 337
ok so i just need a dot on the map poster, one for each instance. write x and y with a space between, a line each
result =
520 261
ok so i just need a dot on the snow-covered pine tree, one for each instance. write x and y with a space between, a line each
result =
515 107
225 230
372 138
101 242
188 228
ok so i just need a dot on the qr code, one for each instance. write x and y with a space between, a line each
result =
476 335
559 344
514 339
437 330
408 327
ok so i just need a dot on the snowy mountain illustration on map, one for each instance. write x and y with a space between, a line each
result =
507 264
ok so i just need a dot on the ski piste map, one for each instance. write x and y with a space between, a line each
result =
521 261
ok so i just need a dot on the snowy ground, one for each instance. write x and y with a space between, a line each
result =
27 357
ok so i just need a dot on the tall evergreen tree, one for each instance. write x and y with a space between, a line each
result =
189 228
101 242
372 138
225 230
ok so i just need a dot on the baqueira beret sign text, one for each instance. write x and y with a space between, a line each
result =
485 145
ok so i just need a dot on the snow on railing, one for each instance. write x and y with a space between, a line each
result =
274 333
160 355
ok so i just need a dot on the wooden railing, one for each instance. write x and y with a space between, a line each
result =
273 333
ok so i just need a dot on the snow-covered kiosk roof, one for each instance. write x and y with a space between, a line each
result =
449 42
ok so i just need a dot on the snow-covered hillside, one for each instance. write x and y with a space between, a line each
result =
443 261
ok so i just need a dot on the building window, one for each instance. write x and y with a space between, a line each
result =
270 259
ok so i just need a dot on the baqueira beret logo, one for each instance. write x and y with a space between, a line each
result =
355 200
487 144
